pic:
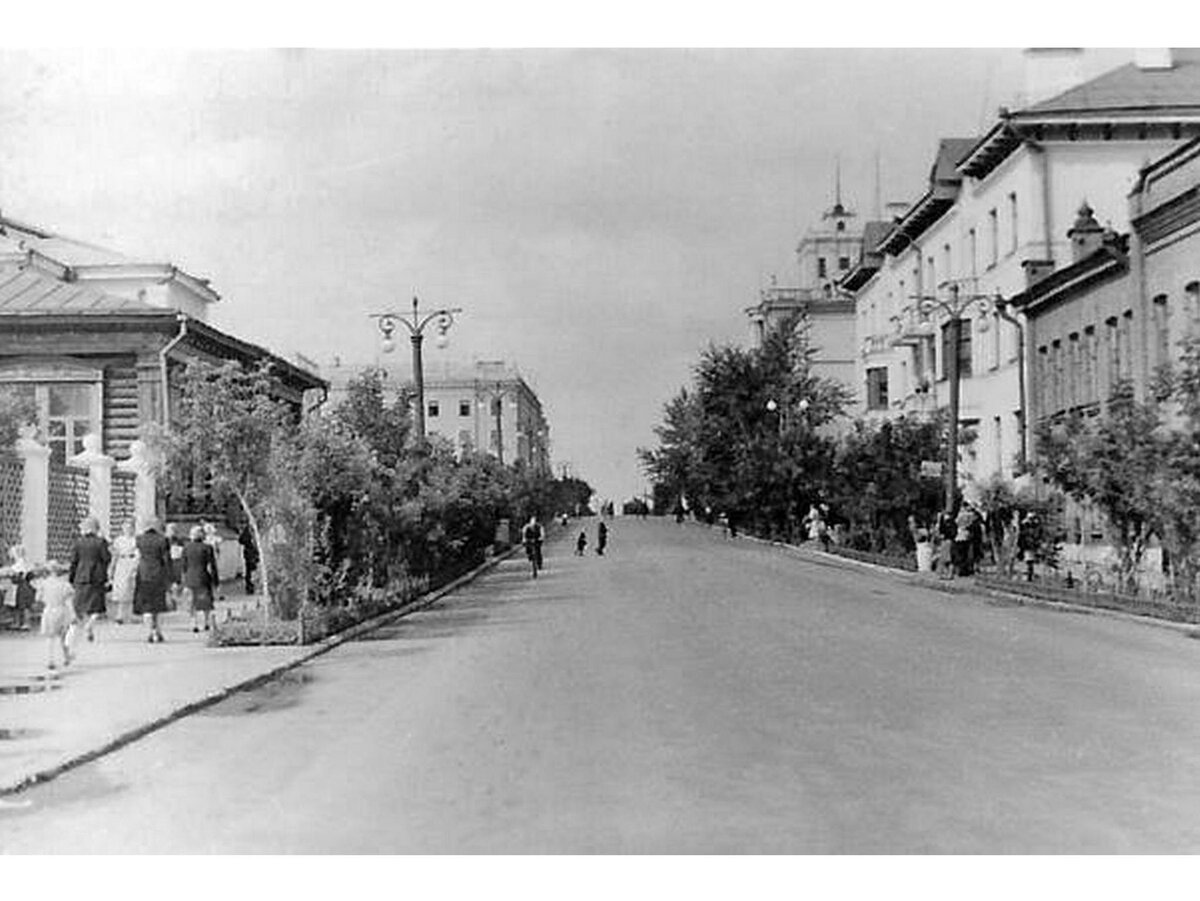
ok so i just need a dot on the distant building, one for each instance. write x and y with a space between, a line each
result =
486 406
826 253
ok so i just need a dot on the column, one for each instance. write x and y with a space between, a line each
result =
145 488
99 466
35 505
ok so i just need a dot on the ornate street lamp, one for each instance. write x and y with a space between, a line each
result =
953 306
416 322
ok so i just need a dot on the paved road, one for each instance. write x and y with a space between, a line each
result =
683 694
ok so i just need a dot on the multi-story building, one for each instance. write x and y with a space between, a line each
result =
996 215
485 406
826 253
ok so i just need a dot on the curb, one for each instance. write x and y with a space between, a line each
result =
1189 630
323 646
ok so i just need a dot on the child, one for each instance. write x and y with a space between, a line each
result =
24 594
58 613
580 544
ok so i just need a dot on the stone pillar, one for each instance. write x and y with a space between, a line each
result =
35 504
146 487
99 466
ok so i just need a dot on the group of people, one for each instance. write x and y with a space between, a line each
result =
533 535
581 542
960 541
146 572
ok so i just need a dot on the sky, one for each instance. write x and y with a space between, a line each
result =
600 216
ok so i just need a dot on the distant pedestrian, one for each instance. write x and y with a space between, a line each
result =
123 573
88 573
175 542
153 578
58 612
249 556
723 519
200 577
580 544
601 539
214 540
24 592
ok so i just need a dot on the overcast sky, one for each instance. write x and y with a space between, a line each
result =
600 216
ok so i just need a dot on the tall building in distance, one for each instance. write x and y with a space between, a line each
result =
826 253
486 406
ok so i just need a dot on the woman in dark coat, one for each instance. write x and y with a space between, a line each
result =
88 573
153 578
200 576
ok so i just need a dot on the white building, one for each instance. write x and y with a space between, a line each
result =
825 254
996 215
485 406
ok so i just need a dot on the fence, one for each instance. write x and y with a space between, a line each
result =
69 487
12 474
43 501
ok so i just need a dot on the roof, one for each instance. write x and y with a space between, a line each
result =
28 293
1127 89
944 182
870 258
1105 262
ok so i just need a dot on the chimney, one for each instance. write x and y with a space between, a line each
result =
1049 71
1153 58
1036 270
1086 234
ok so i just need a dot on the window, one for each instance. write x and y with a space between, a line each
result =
1192 307
67 398
843 263
434 409
964 348
496 406
1074 367
1056 376
841 226
494 440
994 345
1090 392
464 408
464 441
997 446
946 268
1114 352
1126 336
1043 381
877 388
993 237
932 274
820 267
1012 222
973 251
1162 332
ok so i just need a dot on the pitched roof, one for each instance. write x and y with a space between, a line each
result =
24 292
1127 89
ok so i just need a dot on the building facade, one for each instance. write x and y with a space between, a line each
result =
825 254
486 406
94 339
995 216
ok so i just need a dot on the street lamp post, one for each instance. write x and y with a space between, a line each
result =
953 306
496 393
416 322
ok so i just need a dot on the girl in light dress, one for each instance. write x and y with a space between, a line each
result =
124 570
58 613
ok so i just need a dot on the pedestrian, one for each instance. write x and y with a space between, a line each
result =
214 540
945 548
200 577
963 525
249 556
58 612
580 544
88 573
723 518
123 572
176 542
153 578
24 594
601 539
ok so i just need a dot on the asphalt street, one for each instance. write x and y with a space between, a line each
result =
684 693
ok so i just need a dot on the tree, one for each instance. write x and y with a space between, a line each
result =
230 434
1114 461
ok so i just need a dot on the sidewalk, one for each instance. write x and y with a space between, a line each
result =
121 687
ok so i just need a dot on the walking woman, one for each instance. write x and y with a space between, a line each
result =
124 571
88 573
200 576
176 543
153 577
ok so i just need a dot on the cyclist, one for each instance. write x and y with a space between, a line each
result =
531 537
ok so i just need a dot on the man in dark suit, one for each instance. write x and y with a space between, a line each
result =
88 573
